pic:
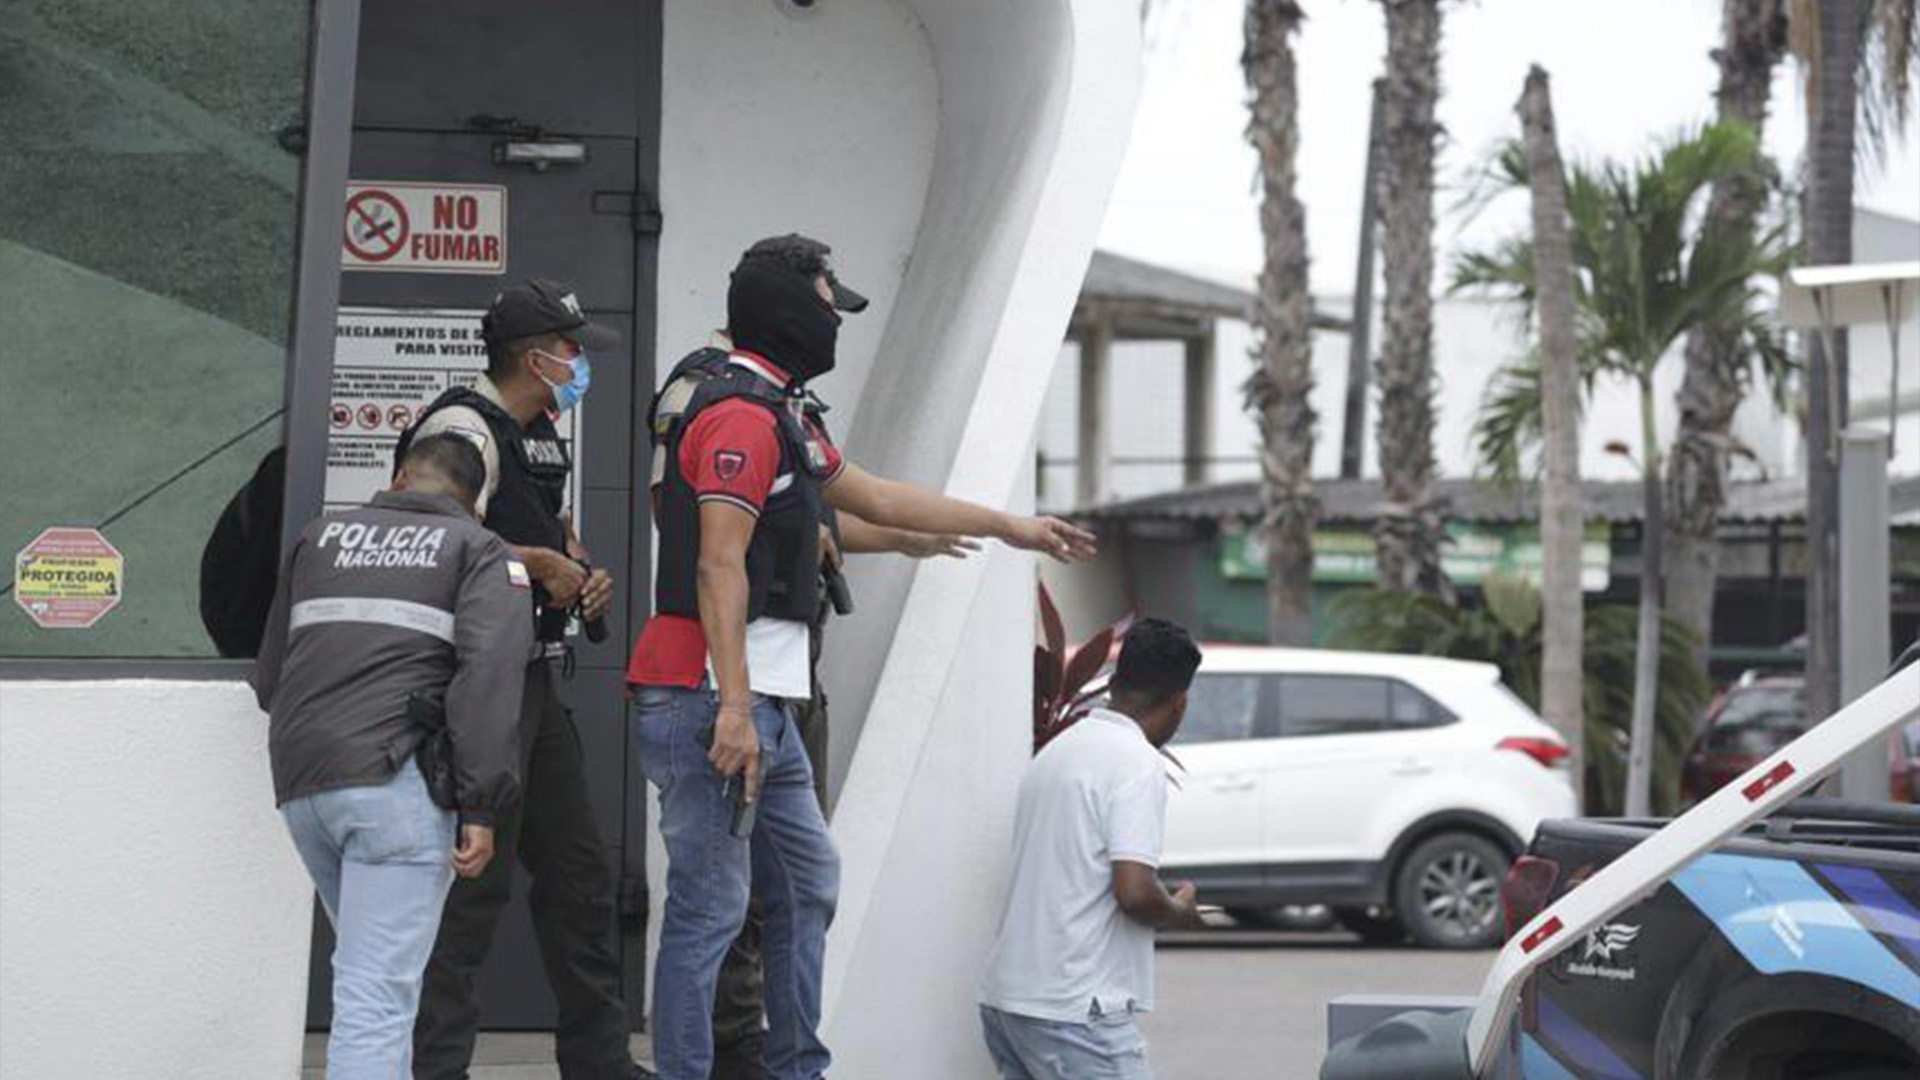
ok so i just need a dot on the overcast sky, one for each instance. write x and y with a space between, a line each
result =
1624 73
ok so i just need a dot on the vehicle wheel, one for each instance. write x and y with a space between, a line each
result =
1285 917
1375 925
1448 891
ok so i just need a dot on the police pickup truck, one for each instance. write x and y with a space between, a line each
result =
1790 951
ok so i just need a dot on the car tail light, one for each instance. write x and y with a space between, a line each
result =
1523 895
1902 765
1528 887
1548 752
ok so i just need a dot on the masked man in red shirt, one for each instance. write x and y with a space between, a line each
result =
748 477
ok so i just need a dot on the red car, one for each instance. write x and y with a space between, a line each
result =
1760 714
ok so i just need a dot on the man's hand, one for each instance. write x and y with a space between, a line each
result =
559 575
474 851
935 545
736 747
1067 543
596 596
1187 899
830 554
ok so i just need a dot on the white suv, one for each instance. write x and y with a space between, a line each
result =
1394 789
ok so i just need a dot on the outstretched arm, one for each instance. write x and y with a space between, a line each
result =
904 506
861 537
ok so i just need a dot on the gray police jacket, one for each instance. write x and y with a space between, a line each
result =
406 593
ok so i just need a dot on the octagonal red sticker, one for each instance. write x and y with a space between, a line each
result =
68 578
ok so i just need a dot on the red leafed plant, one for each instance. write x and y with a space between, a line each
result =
1065 687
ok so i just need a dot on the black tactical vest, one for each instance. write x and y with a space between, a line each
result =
531 490
783 558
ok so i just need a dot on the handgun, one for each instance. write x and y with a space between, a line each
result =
733 787
839 594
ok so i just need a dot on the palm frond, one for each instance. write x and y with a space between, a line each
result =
1508 425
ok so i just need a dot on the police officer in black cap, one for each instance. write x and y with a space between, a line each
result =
540 350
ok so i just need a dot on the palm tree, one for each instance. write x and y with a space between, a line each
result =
1411 526
1562 526
1276 392
1841 44
1648 270
1506 630
1753 41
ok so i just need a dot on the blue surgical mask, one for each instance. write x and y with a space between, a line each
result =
568 394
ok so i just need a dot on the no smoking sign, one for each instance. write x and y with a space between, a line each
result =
425 228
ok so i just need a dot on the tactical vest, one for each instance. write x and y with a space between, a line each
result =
783 557
530 492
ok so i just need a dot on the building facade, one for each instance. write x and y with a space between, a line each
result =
233 229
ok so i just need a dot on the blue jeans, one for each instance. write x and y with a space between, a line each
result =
1105 1047
382 860
788 862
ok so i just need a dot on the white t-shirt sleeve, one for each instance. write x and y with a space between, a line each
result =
468 424
1136 817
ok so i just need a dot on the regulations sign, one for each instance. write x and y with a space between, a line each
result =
425 228
388 366
68 578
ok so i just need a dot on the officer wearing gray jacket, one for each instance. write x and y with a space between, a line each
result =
380 611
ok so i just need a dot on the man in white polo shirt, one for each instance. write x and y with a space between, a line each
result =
1074 961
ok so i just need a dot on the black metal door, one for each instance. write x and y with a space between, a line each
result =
448 95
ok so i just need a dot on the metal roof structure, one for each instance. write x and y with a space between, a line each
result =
1161 302
1612 501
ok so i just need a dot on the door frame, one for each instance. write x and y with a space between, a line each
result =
331 93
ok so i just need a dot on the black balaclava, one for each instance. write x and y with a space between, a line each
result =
773 310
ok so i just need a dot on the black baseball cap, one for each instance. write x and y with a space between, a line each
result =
538 306
807 256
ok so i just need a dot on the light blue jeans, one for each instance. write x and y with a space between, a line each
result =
1105 1047
382 860
788 862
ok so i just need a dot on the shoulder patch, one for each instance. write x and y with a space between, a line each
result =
728 464
517 575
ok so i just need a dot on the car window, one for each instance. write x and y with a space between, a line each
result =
1413 709
1334 704
1764 706
1221 707
1757 720
1351 704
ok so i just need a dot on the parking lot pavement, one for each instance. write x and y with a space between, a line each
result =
1233 1005
1252 1005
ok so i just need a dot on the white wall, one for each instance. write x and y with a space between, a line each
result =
778 119
154 919
1035 104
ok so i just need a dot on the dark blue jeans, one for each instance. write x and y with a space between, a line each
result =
788 863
